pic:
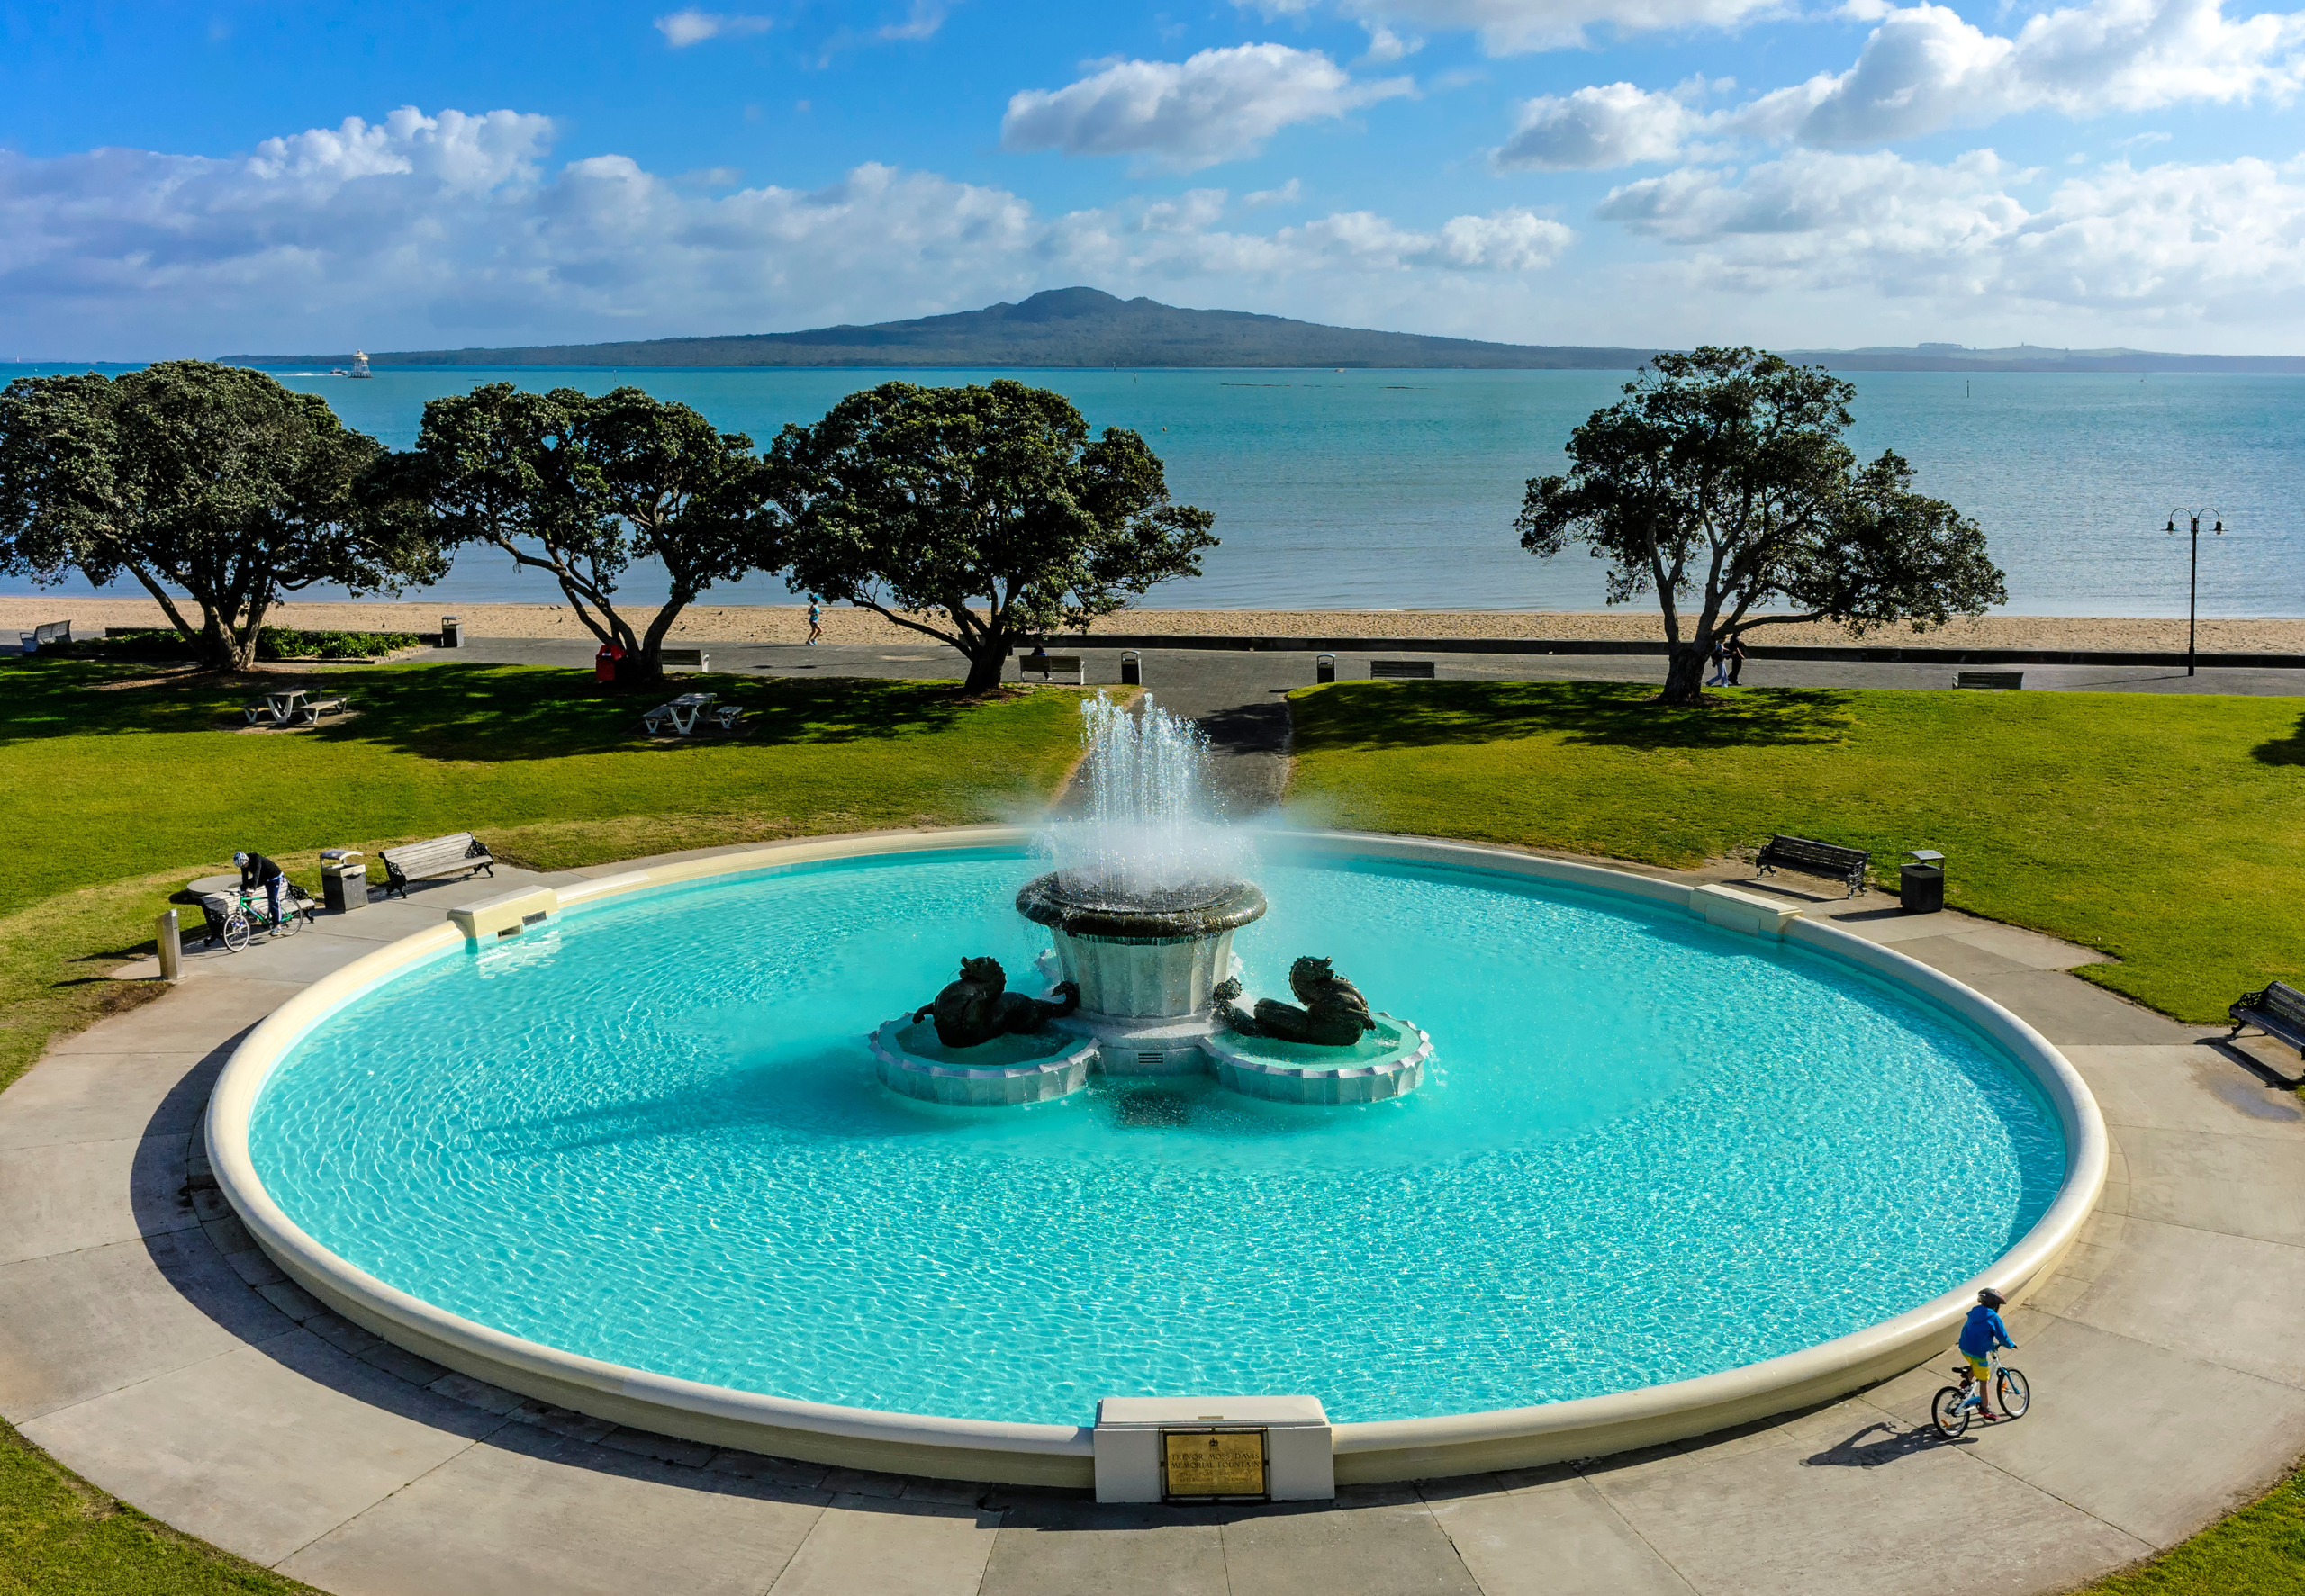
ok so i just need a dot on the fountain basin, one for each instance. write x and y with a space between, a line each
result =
1005 1072
422 1152
1139 956
1388 1062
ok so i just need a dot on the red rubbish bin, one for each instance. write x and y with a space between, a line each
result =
604 661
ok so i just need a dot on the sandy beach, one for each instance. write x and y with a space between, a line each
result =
708 622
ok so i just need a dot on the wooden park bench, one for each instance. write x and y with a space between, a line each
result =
1049 664
2007 681
460 854
48 632
687 659
1400 669
2278 1011
1812 858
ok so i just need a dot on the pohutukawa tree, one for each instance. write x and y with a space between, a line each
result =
214 487
979 516
581 487
1720 482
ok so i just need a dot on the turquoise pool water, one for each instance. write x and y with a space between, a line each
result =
1644 1150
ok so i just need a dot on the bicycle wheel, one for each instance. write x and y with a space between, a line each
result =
236 931
2015 1395
1950 1413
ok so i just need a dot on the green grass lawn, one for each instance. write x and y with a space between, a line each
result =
112 796
2161 829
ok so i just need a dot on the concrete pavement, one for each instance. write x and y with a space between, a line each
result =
147 1344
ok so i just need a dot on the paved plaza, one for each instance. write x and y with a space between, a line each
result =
147 1344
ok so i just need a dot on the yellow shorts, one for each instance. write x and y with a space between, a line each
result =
1977 1365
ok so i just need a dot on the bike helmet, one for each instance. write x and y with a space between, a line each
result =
1990 1298
240 858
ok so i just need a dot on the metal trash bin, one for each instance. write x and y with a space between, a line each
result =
1324 668
1921 884
452 631
1131 668
344 880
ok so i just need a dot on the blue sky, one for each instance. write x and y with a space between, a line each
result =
229 177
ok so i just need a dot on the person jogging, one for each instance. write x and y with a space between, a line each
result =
1983 1332
257 870
815 620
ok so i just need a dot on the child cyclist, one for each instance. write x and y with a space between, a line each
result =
1980 1335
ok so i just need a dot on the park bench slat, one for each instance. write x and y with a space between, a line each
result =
1049 664
1401 670
1990 681
1809 857
2278 1011
460 853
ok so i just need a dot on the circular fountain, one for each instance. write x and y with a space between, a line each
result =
632 1159
1141 908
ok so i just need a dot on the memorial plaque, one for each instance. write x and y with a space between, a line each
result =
1213 1462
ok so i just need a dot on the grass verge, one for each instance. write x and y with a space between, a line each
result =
60 1536
2161 829
2258 1551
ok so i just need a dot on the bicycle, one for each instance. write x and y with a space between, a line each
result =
244 919
1954 1403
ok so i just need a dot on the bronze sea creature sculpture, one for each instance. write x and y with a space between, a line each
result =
1334 1013
978 1006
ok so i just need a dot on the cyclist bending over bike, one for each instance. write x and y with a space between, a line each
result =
257 870
1980 1336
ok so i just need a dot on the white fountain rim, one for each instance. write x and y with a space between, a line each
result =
1058 1454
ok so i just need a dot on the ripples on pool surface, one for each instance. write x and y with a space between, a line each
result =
1644 1150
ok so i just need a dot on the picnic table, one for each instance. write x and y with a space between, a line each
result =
685 711
280 706
289 705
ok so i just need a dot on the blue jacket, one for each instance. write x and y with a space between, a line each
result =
1984 1333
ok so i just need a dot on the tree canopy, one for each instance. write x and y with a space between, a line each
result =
980 515
207 481
1721 485
581 487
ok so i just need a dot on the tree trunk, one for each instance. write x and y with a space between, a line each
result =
985 663
1685 674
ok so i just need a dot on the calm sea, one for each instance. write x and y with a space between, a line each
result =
1397 490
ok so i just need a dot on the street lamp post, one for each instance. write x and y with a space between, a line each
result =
2192 590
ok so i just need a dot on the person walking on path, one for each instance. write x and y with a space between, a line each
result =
1980 1335
1736 658
1720 677
815 620
257 870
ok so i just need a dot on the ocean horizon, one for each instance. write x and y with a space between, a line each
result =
1396 488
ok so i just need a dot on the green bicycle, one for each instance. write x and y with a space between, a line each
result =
1951 1409
248 916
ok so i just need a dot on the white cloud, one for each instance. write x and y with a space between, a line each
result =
1180 116
1925 68
421 232
2170 245
1386 46
1288 194
681 29
1617 125
1513 27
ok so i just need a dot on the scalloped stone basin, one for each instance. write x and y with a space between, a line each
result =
1002 1073
648 1169
1388 1062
